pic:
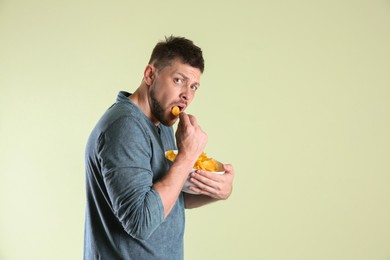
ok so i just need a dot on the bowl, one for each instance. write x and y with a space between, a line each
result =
188 183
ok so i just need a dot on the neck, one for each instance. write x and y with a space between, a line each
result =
141 98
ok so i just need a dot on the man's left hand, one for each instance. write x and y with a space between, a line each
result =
217 186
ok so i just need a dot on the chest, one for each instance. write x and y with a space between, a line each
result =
161 141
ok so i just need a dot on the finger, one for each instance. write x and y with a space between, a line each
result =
200 191
184 119
228 168
203 182
206 190
203 175
193 120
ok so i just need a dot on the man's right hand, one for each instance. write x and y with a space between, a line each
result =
190 138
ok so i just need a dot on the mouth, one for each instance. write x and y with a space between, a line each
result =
177 109
182 107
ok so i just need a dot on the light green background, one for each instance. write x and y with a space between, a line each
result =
296 95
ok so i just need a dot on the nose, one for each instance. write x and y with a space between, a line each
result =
186 93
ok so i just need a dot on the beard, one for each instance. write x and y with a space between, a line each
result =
157 109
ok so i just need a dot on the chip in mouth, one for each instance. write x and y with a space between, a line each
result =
175 111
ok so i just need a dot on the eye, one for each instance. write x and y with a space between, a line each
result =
194 87
178 80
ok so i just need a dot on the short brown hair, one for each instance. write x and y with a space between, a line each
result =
176 48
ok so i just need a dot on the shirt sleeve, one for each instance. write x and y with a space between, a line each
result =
124 152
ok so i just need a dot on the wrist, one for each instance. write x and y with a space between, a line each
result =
185 159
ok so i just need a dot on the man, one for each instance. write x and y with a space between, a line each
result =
135 206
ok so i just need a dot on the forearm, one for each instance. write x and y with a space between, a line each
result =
195 201
191 141
169 187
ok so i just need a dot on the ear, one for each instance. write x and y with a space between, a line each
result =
149 74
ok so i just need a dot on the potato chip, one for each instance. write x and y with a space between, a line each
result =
202 163
175 111
170 155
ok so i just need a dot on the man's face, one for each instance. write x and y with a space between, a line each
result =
174 85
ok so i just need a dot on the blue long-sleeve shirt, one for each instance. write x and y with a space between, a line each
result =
125 155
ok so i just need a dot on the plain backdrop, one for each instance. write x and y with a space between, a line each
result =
295 94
